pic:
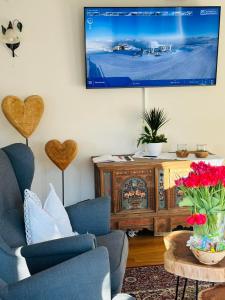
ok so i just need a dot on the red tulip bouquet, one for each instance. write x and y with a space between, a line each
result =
204 194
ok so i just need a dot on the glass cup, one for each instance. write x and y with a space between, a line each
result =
181 147
201 147
182 151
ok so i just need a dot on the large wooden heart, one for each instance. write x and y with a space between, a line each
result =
23 115
61 154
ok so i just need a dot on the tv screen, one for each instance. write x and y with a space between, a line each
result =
151 46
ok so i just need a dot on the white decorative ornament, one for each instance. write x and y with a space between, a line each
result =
12 35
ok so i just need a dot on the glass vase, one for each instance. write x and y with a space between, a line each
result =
213 229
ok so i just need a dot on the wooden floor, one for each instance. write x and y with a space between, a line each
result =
145 251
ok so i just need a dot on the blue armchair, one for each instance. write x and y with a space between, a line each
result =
86 267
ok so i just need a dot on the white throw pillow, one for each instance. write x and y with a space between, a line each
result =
56 210
39 226
48 222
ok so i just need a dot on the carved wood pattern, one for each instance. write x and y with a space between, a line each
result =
122 176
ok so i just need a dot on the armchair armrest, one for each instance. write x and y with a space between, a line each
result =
91 216
83 277
44 255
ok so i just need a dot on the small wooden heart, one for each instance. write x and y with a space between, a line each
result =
61 154
23 115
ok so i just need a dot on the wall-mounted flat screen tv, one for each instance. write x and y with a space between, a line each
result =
151 46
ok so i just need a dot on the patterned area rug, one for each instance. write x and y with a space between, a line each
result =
153 282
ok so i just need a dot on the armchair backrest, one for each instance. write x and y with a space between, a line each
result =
16 174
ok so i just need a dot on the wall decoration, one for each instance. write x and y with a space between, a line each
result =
11 35
25 115
61 154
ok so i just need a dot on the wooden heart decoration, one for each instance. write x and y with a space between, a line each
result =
23 115
61 154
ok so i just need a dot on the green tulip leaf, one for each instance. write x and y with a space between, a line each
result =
206 204
202 211
186 202
216 209
215 201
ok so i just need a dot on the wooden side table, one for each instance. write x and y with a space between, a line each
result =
179 260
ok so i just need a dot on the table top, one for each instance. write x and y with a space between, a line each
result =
180 261
141 158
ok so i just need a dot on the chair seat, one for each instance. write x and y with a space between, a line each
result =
117 244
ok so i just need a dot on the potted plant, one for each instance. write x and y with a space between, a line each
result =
204 194
154 119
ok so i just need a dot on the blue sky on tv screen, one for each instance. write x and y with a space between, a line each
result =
197 23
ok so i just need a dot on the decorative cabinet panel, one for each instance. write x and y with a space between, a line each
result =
162 197
143 193
107 184
133 190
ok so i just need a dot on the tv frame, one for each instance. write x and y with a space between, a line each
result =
163 86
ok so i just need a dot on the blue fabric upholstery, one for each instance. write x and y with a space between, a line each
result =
75 279
94 216
44 255
22 160
91 216
2 283
117 244
11 205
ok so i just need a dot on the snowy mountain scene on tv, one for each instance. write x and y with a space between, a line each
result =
130 47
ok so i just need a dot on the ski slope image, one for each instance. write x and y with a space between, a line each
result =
163 51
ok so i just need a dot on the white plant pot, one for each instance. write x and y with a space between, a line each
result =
154 149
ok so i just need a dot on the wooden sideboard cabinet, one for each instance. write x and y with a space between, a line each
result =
143 193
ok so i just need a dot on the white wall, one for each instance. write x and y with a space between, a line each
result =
50 63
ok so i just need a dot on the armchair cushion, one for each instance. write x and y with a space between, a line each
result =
83 277
44 255
2 283
117 244
91 216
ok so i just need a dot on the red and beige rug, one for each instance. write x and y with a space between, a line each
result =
154 283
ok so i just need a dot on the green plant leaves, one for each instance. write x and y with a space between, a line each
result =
206 204
202 211
215 209
154 118
147 130
186 202
215 201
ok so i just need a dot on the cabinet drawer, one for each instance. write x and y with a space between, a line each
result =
136 223
161 225
179 220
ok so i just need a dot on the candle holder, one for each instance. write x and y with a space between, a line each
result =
201 151
182 151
